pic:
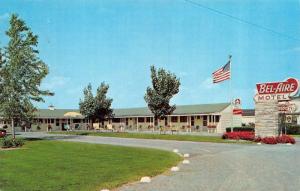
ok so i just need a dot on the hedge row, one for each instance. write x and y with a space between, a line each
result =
240 129
250 136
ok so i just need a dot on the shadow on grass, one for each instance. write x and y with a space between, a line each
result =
33 139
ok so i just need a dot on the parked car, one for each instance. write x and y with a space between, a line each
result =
2 133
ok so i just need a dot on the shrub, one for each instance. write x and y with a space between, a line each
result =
18 142
285 139
292 129
239 135
250 136
239 129
38 128
257 139
269 140
8 142
280 139
5 127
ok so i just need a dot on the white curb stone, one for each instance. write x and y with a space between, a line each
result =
104 190
259 143
145 179
289 144
186 155
185 162
175 151
175 169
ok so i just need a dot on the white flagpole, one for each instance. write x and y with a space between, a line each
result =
231 96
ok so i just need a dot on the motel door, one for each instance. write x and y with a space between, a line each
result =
192 121
63 126
205 120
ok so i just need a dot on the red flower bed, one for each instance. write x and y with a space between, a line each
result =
285 139
244 135
280 139
250 136
269 140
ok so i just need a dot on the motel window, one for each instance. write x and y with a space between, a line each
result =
76 120
57 122
141 119
116 120
148 119
174 119
126 121
52 120
183 119
40 120
217 118
205 117
198 117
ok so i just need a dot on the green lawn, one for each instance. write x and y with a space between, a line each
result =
295 135
55 165
195 138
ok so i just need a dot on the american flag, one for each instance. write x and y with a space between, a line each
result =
222 74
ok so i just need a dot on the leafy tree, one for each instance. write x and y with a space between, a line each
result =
103 103
87 105
96 107
164 86
21 74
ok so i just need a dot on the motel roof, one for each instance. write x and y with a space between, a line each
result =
180 110
142 111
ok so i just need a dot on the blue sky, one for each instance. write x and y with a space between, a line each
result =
116 41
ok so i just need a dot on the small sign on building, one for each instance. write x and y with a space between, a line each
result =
288 118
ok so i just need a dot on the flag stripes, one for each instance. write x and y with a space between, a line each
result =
222 74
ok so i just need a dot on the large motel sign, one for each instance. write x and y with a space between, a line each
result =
271 99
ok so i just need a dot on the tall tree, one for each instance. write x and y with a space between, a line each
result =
87 105
164 86
96 107
103 103
22 74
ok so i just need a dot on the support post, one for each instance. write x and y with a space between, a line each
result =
137 124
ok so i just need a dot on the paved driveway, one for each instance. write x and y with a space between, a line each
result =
216 166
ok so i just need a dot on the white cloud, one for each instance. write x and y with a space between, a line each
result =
182 74
208 83
296 49
56 82
4 16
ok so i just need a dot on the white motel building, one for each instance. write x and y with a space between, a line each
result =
201 117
